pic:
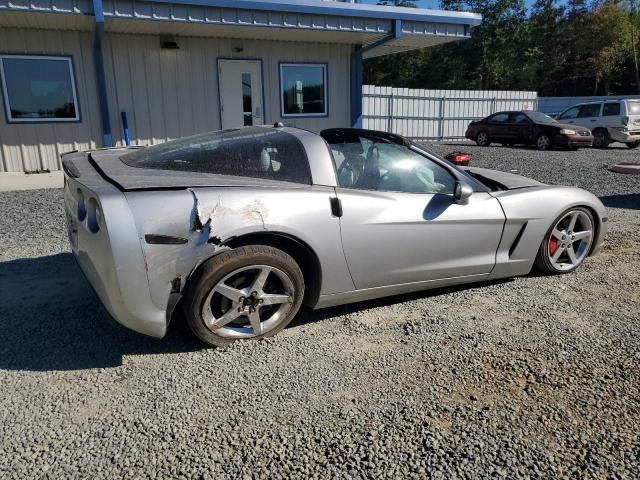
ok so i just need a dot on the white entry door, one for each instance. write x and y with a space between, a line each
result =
240 92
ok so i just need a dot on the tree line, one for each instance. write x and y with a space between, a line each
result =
556 49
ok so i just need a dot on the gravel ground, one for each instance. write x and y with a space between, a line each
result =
535 377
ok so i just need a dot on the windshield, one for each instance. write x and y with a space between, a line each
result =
540 117
246 152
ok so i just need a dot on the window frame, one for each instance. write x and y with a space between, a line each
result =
5 93
325 77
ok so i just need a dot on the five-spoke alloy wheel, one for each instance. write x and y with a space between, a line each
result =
567 243
245 293
482 139
543 142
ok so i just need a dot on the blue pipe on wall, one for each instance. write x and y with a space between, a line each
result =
107 139
125 128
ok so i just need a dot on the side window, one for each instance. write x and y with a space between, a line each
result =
499 118
610 109
251 152
571 113
372 164
590 110
518 117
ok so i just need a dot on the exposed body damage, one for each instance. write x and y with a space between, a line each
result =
139 239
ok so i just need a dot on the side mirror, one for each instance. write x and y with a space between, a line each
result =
462 192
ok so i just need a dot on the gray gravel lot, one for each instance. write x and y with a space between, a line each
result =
536 377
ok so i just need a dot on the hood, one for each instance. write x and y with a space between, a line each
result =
497 180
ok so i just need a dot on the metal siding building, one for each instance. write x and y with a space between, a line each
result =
161 64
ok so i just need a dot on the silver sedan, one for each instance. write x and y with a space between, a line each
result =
239 228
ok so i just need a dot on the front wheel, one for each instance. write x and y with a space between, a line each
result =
633 144
249 292
567 243
543 142
482 139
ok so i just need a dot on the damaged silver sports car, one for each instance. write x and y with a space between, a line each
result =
239 228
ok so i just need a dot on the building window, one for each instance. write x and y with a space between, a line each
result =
38 89
303 90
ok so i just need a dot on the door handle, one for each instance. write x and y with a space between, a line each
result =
336 206
593 119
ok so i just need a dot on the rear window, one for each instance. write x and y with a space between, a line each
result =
634 108
610 109
247 152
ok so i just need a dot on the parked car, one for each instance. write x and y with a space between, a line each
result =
527 128
241 227
609 121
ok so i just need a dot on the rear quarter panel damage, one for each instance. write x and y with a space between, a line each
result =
209 217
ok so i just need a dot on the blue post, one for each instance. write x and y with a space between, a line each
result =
125 128
356 87
107 140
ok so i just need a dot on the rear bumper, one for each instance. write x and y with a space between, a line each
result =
112 261
624 137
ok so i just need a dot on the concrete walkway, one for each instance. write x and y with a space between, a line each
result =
32 181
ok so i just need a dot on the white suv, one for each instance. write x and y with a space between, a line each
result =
609 121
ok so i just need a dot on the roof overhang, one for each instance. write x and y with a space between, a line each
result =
380 30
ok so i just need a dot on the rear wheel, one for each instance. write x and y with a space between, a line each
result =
250 292
567 243
633 144
543 142
601 138
482 139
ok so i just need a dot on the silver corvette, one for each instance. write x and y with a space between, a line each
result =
239 228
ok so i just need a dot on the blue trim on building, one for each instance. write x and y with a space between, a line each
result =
107 138
357 73
318 7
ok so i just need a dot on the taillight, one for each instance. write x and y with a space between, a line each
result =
82 209
94 216
625 121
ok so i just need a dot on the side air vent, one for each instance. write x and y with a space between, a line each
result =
516 241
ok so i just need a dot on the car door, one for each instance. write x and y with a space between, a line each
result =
520 128
588 116
498 126
400 223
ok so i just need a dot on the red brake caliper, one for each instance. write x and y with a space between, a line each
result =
553 245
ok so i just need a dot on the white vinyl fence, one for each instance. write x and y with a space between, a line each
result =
435 114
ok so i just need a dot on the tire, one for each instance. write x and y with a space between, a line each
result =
482 139
601 138
544 258
214 317
633 145
543 142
